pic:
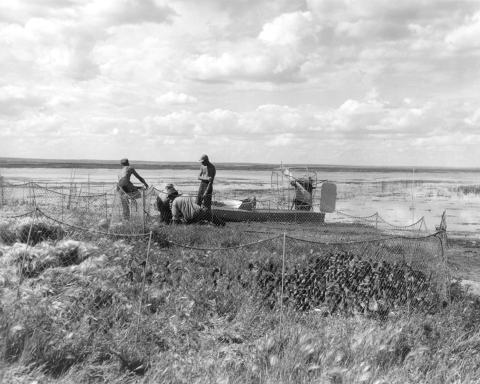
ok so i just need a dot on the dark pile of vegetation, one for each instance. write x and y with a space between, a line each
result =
36 230
347 283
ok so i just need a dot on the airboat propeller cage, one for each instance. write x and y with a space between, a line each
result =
298 184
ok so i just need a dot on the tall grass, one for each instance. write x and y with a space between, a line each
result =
203 320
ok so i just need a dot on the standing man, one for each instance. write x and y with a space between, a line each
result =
125 185
206 177
124 177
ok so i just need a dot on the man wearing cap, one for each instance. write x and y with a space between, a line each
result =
126 185
124 177
206 177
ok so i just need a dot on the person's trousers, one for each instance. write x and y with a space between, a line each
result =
130 192
204 195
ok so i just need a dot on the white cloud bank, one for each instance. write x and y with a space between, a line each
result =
326 81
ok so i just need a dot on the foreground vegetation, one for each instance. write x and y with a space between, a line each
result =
113 310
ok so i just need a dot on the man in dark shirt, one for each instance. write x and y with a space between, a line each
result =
206 177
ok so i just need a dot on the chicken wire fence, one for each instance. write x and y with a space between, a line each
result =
91 292
115 211
55 216
38 241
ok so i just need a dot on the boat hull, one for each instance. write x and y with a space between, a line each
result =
264 215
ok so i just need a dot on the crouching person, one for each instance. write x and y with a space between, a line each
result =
186 210
164 202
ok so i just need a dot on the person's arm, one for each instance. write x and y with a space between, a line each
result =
139 178
202 176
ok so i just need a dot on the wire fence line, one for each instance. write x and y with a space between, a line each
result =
117 211
426 252
57 215
72 264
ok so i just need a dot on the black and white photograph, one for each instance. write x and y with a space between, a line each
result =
240 192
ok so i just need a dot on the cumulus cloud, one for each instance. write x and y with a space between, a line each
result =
473 119
466 35
39 125
15 100
290 28
176 98
250 60
334 80
107 12
112 12
60 36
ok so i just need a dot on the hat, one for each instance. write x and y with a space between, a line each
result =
171 191
203 158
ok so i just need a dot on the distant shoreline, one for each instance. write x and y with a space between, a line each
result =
153 165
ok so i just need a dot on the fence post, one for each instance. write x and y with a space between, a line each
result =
143 287
1 188
88 193
283 283
22 265
143 209
106 204
69 196
442 236
34 202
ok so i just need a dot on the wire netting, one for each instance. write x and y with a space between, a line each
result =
41 214
99 275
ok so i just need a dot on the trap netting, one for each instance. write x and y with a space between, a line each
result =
121 213
74 205
227 225
352 249
113 210
91 296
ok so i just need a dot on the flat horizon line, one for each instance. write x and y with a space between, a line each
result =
7 162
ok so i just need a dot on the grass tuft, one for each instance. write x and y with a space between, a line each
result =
99 312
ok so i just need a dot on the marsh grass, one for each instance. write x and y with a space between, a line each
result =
203 320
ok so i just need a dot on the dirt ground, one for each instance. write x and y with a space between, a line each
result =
464 262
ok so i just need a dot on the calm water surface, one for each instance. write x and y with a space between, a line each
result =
401 198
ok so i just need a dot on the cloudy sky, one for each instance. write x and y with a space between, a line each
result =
354 82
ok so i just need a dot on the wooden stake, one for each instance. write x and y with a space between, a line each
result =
1 186
143 287
143 209
283 283
25 253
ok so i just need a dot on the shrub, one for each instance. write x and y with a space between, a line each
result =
36 230
7 231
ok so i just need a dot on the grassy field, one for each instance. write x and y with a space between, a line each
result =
107 310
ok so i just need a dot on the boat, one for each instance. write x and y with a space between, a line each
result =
231 214
293 185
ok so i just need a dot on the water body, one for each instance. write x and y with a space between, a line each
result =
400 196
